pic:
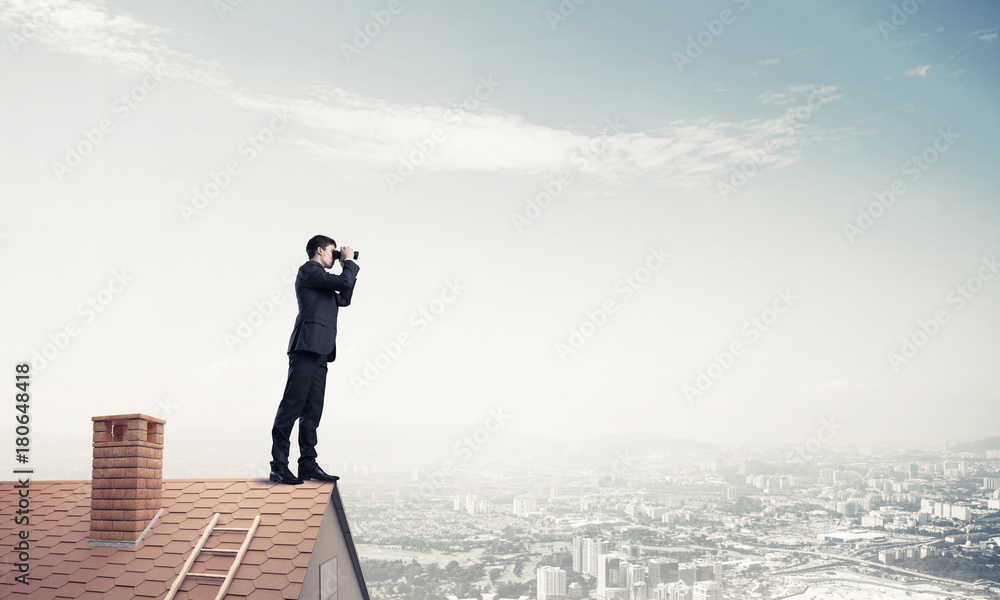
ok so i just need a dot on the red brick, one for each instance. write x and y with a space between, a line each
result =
128 526
96 525
130 462
104 463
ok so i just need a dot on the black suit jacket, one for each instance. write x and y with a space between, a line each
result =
320 294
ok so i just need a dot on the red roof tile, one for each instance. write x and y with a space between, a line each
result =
64 565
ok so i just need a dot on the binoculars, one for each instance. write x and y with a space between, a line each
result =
336 255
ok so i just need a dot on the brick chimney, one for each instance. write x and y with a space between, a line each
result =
127 489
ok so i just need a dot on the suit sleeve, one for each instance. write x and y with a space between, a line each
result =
344 298
317 277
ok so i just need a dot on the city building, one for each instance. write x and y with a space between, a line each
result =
525 505
661 571
578 554
551 583
608 575
707 590
592 551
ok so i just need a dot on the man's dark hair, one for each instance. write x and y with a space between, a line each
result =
316 242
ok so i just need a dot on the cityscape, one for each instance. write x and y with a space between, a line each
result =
691 523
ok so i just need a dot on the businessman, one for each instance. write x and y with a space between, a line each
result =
313 344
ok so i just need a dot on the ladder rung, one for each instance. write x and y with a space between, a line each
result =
227 579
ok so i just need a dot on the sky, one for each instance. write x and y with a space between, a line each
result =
731 221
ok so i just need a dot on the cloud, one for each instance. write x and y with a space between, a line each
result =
769 62
802 94
370 135
984 35
917 71
775 98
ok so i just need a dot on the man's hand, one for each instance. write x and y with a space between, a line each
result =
345 253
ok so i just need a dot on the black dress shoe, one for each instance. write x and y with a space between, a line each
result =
316 473
284 475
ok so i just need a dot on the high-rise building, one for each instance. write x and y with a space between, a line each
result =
677 590
592 550
608 575
704 572
634 574
661 571
707 590
637 591
578 554
686 574
551 582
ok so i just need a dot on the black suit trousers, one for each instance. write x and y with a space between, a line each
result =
302 401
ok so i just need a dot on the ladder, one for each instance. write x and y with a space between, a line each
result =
227 579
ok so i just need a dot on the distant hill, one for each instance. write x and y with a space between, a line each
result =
642 443
992 443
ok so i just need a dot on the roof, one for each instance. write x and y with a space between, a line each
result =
283 550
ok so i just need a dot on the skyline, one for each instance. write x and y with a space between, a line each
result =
724 222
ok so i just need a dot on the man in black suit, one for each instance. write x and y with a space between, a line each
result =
313 344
